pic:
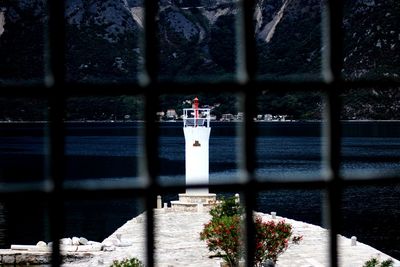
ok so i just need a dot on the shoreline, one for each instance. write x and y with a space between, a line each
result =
180 121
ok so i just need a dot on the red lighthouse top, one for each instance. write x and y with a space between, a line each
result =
195 103
195 116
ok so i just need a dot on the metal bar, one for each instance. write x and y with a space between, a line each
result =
151 88
148 79
246 70
56 142
150 45
332 68
332 163
332 41
55 46
55 77
151 169
249 38
248 161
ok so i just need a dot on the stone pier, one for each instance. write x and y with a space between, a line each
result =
191 202
177 243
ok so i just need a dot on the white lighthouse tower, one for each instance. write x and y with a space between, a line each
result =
196 128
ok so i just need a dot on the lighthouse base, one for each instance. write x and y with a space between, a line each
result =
194 202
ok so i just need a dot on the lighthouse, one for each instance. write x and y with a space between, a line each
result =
196 129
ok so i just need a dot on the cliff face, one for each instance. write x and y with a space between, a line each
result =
372 39
289 34
102 40
197 38
113 18
21 39
372 51
2 22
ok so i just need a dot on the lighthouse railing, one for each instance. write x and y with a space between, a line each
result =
196 117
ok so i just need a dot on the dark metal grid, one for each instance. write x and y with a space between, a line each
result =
55 77
333 40
57 90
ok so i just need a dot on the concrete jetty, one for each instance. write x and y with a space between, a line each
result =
177 244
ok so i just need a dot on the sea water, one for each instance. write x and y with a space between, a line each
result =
111 152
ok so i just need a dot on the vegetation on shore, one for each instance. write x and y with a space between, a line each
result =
375 262
132 262
356 105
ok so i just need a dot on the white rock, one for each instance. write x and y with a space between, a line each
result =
75 241
107 242
88 248
83 241
108 248
68 248
66 241
111 241
124 244
42 249
22 247
353 241
94 243
41 244
97 246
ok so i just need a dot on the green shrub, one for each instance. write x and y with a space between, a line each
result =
224 237
132 262
374 262
227 207
272 239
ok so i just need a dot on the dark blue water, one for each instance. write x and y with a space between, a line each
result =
105 151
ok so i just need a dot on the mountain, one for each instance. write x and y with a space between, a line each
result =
102 40
197 38
372 39
22 42
197 41
289 38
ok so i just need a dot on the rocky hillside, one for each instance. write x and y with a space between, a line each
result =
197 39
372 40
289 34
22 40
